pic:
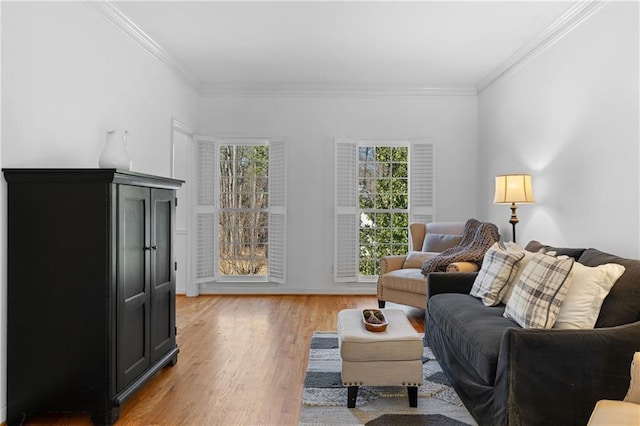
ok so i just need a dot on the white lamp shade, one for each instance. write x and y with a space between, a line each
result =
513 189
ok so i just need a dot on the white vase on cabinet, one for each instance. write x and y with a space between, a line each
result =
115 154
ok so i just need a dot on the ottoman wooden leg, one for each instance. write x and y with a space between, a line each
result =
352 395
413 396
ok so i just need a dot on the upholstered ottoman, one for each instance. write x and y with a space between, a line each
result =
389 358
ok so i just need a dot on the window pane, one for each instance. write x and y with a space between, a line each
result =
399 170
401 220
243 221
384 202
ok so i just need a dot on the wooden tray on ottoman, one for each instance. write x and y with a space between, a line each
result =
373 325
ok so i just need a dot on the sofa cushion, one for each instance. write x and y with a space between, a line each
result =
588 286
439 242
415 259
622 304
400 342
538 294
497 268
410 280
474 329
536 247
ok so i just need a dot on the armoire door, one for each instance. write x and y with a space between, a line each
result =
163 297
133 283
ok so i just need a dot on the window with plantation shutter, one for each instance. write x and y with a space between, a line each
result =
421 181
240 217
205 211
277 211
380 187
346 211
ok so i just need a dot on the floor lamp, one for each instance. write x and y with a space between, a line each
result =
512 189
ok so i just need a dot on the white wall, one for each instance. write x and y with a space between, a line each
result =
309 126
67 76
570 118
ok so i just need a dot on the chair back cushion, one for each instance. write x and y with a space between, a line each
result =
418 231
453 228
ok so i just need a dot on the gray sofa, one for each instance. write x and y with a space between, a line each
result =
507 375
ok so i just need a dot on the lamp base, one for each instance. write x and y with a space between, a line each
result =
513 220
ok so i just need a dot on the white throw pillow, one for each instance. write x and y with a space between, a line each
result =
587 290
538 294
497 268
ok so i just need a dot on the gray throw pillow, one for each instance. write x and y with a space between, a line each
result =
439 242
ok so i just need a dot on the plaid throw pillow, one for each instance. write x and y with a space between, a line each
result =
497 267
538 294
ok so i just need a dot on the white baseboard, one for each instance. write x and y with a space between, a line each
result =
240 288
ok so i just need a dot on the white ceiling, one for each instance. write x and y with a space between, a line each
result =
390 43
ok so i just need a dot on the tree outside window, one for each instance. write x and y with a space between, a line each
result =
244 218
383 181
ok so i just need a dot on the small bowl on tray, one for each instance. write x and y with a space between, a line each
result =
374 320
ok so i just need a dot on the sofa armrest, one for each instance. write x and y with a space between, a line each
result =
391 263
462 267
559 375
633 394
449 282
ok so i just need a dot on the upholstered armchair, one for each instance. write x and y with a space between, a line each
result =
401 279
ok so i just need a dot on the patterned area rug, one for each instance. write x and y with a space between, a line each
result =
324 399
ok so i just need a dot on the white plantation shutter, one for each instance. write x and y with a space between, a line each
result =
205 211
422 181
346 226
277 211
346 222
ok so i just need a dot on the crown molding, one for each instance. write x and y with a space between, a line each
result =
329 90
130 29
210 89
580 11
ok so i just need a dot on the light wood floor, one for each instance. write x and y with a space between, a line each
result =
242 361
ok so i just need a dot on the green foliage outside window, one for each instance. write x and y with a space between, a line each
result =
384 204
